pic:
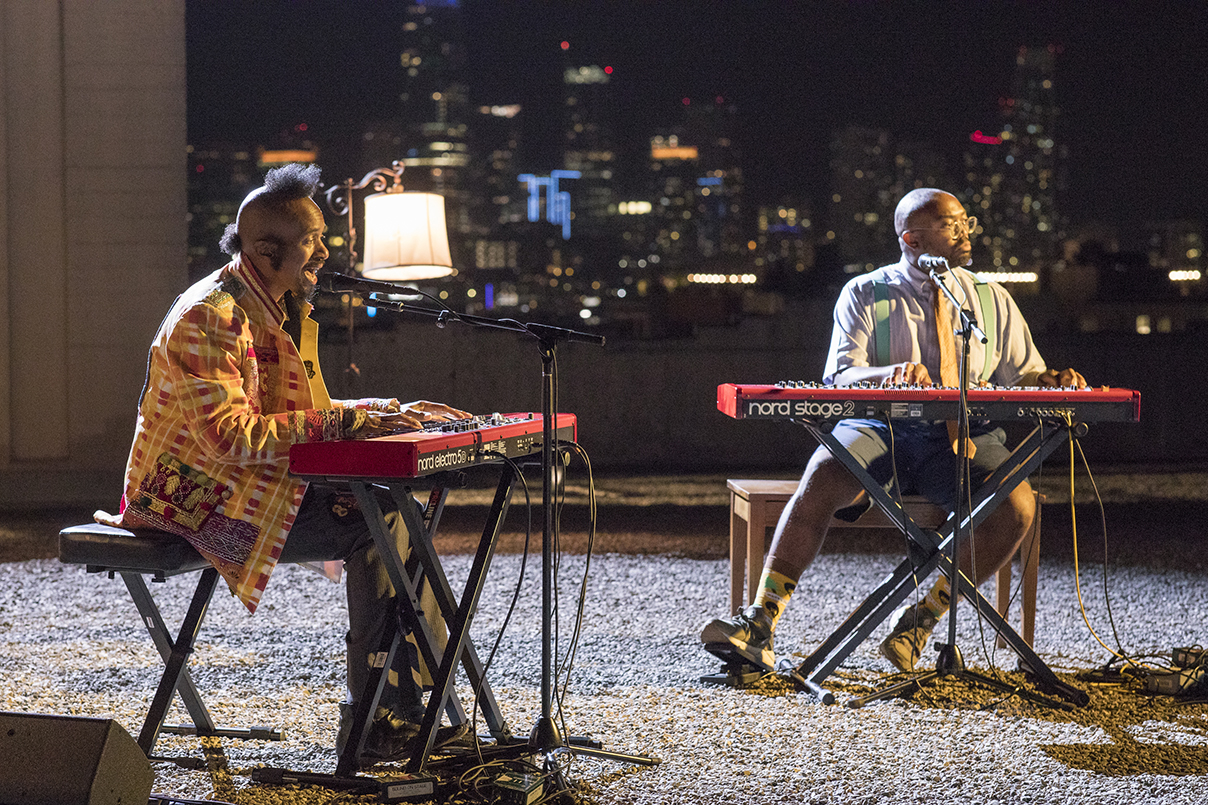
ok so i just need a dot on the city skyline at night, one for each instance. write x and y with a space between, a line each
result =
795 76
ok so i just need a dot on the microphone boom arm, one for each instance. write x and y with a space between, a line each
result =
968 322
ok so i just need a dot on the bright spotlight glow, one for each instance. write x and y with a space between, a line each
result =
1008 276
723 279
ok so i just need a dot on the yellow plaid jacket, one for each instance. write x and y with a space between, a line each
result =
227 393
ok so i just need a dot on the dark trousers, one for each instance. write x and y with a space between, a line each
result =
329 526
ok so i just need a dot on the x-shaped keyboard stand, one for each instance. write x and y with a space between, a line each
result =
928 550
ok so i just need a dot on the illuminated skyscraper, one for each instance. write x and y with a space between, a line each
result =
1176 250
589 146
719 188
864 190
436 111
786 246
496 140
870 172
220 175
1014 172
674 168
501 200
696 189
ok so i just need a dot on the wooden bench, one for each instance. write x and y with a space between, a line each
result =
755 507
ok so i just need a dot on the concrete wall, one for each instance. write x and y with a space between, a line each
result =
652 406
92 228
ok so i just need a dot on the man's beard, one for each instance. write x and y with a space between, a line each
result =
306 289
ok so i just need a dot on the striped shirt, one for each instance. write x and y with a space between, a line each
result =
227 393
912 331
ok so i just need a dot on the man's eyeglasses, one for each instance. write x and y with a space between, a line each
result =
955 228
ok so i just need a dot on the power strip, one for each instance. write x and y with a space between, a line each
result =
515 788
1174 683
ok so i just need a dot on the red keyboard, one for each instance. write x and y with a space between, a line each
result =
816 402
440 448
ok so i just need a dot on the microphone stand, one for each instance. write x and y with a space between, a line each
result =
949 662
545 739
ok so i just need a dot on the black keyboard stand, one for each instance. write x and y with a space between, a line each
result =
408 576
928 551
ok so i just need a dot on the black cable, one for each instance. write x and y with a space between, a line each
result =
1103 520
1119 652
567 664
1024 560
897 491
555 531
990 651
515 596
559 503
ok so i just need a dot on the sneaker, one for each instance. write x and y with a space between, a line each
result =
905 643
748 635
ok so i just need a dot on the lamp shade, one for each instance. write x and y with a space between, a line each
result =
406 237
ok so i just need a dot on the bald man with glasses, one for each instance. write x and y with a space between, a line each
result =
909 350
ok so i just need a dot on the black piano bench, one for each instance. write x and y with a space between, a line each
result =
160 555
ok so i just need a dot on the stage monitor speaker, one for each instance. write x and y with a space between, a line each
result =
66 760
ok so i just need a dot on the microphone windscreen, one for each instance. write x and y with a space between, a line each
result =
929 262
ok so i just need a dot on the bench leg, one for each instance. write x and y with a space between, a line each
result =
203 723
154 622
757 533
738 537
1031 567
1002 594
174 664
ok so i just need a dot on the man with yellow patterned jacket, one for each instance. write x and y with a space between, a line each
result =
233 380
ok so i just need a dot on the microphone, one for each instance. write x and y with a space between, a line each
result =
930 263
340 283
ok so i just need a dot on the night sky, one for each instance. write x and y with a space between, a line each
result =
1131 81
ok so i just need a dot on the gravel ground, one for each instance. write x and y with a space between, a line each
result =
71 644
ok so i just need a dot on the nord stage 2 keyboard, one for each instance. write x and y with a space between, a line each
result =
1002 404
441 447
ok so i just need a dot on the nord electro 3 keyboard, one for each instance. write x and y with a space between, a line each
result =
441 447
795 400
